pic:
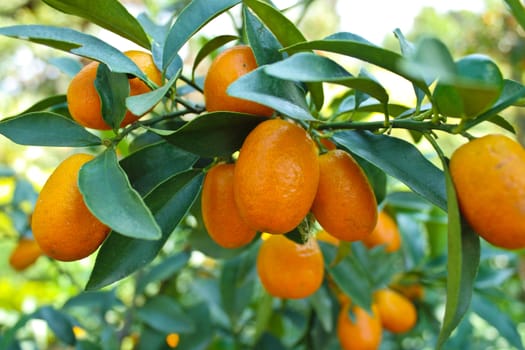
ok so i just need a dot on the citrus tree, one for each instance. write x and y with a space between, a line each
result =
249 208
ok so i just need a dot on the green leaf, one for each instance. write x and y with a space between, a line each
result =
497 319
287 34
282 95
49 103
322 304
141 104
67 65
361 50
58 322
110 197
162 271
153 164
264 44
502 123
77 43
516 7
199 314
217 134
46 129
192 18
209 47
109 14
113 88
164 314
462 263
169 202
399 159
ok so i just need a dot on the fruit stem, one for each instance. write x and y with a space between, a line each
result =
394 123
191 83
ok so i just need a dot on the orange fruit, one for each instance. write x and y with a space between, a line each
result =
326 237
385 233
411 291
363 332
488 176
62 225
220 215
276 176
345 204
227 67
328 144
25 253
288 269
397 313
172 340
83 99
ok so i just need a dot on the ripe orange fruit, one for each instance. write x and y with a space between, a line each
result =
25 253
397 313
62 225
385 233
83 99
220 215
345 204
227 67
172 340
276 176
326 237
361 333
288 269
411 291
488 176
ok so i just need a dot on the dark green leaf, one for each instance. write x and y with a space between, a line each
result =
162 271
153 164
264 44
399 159
376 177
462 263
209 47
8 338
164 314
109 195
77 43
199 314
282 95
217 134
101 301
263 315
109 14
48 103
322 304
58 322
169 202
141 104
46 129
190 20
502 123
497 319
113 88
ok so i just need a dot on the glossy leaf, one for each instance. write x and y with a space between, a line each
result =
192 18
112 88
282 95
264 44
164 314
143 103
58 322
77 43
169 202
399 159
67 65
49 103
209 47
162 271
153 164
110 197
217 134
46 129
109 14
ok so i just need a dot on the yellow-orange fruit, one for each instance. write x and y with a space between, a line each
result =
288 269
397 313
62 225
219 212
326 237
83 99
345 204
362 333
490 185
385 233
25 254
172 340
227 67
276 176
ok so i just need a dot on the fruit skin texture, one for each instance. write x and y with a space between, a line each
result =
62 225
364 333
84 102
25 254
276 176
227 67
345 204
385 233
397 313
490 186
219 212
288 269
